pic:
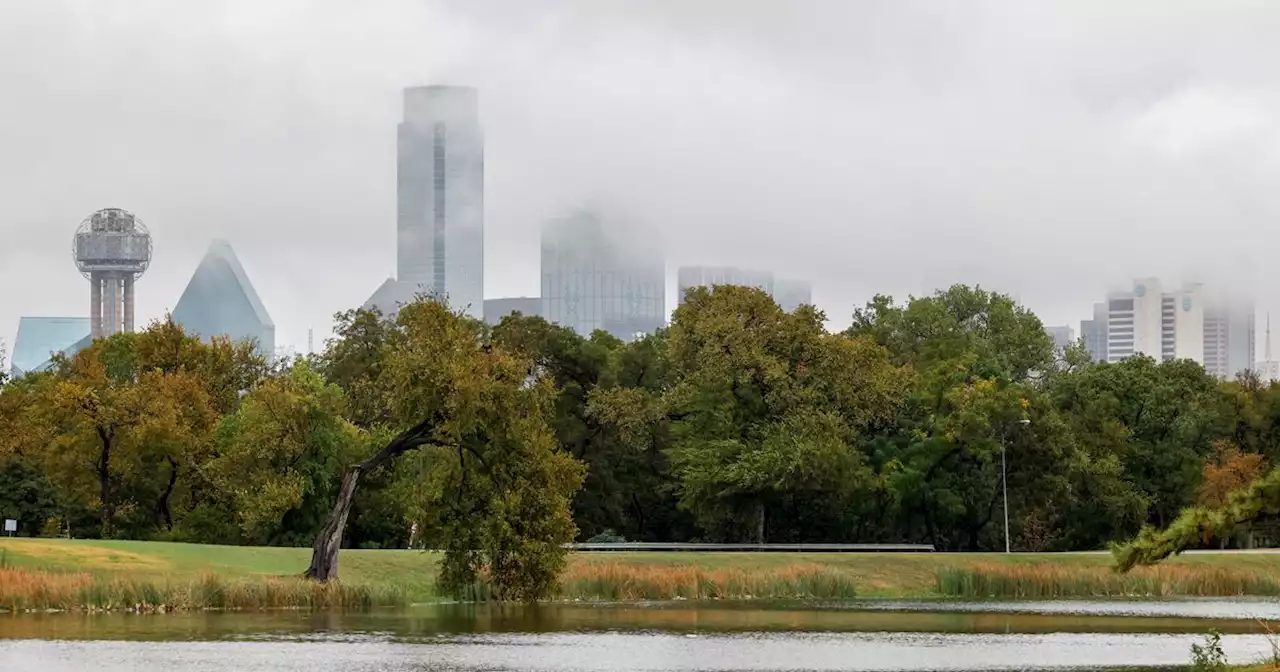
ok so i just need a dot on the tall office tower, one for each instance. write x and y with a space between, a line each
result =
1062 337
1162 325
1229 336
496 309
440 197
791 294
1094 333
710 276
591 281
112 249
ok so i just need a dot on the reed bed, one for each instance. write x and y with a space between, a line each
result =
628 582
23 590
1038 581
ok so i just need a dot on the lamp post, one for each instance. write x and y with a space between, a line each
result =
1004 481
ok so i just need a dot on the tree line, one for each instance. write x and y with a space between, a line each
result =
738 422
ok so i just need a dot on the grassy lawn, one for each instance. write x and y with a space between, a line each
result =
875 574
152 560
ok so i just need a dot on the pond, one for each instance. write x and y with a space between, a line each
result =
659 637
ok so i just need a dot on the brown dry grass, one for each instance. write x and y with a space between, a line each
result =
26 590
628 582
1043 580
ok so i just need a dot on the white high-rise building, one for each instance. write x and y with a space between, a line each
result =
1146 320
439 201
1186 323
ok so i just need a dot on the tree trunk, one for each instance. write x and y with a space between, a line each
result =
324 553
164 515
105 509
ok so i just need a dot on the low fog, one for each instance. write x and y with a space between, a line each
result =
1048 150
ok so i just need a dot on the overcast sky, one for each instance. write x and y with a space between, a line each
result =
1046 149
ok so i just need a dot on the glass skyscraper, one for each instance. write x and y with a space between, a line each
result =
440 197
220 301
592 281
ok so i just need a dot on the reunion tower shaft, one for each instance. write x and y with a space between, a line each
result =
112 249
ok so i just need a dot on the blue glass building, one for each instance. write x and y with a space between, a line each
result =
39 338
220 301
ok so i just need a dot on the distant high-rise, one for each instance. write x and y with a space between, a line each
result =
440 196
688 277
1229 336
1062 336
39 338
1094 333
112 249
1146 320
496 309
591 281
1189 323
791 294
220 301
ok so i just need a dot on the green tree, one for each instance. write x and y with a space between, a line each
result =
768 404
448 389
280 454
989 332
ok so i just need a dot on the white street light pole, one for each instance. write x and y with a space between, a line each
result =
1004 480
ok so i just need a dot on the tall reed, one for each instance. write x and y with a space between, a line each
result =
22 590
1052 581
623 582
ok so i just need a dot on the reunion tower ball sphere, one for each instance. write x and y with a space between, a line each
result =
112 240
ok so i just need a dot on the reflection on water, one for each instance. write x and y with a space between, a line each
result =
621 651
668 637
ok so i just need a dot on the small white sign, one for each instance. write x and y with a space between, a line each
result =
10 525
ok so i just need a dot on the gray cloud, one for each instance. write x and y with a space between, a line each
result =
1048 149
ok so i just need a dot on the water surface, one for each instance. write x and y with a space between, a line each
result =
663 637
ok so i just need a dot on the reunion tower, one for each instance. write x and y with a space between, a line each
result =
112 249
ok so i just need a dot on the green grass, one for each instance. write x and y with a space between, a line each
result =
625 575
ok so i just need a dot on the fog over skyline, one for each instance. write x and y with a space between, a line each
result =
1048 150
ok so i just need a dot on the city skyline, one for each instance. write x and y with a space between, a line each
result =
885 180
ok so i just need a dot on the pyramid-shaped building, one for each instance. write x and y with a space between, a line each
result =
220 301
39 338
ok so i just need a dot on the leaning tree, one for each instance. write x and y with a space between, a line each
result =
1198 524
485 410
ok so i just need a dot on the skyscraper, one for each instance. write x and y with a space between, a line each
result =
1062 336
592 281
1229 336
791 294
1094 333
1211 328
440 196
709 276
220 301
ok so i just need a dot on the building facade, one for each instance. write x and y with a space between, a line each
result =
1229 337
220 301
791 294
1184 323
496 309
688 277
40 338
1062 337
591 281
440 196
1094 333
